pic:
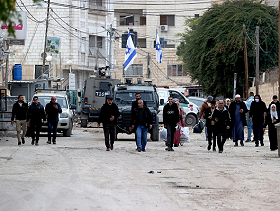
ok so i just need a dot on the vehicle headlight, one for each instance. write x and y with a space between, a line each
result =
64 115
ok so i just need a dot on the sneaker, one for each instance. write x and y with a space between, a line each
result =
236 144
220 151
166 149
171 149
256 145
22 140
48 142
248 140
262 144
19 143
143 150
241 143
139 150
107 149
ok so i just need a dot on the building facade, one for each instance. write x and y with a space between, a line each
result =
145 17
81 28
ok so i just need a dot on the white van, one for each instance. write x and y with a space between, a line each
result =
190 109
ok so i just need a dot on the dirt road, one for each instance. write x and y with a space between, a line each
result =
78 174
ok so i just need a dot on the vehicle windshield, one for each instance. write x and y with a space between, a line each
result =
46 99
130 96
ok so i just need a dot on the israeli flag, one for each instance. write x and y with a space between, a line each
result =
130 53
158 49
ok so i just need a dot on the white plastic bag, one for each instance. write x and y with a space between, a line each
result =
185 135
163 134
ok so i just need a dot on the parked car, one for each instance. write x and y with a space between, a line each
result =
190 108
197 100
65 123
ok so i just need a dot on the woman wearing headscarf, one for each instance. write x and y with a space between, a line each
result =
181 123
271 119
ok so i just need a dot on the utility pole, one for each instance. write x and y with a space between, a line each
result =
96 51
278 48
148 66
46 34
257 60
246 62
234 85
110 50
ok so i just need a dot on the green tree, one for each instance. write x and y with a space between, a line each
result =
212 48
8 11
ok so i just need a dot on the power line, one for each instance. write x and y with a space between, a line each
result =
30 13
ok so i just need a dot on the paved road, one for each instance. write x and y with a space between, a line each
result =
78 174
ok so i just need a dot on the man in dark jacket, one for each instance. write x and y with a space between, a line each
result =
237 111
135 103
222 123
210 125
170 120
52 110
257 115
142 122
109 114
35 114
276 102
20 112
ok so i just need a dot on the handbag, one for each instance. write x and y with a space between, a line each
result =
198 128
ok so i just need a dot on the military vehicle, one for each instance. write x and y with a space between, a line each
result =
95 91
124 95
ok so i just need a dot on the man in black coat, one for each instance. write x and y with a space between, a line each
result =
109 114
237 111
142 122
257 114
52 110
276 102
222 123
170 120
35 114
20 113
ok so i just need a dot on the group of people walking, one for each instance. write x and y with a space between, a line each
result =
228 121
35 116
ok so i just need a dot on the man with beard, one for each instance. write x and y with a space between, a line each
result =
275 102
257 114
109 114
222 123
20 112
238 110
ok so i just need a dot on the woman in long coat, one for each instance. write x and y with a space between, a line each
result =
271 119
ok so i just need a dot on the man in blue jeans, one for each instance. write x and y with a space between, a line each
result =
248 103
141 121
52 111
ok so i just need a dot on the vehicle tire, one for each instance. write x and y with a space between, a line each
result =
83 122
190 120
67 133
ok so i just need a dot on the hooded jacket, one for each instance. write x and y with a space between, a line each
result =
36 112
106 112
257 110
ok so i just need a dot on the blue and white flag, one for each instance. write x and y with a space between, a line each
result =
130 53
158 49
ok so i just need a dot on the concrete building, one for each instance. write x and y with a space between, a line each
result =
145 17
81 27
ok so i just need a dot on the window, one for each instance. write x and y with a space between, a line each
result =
142 42
175 70
134 70
196 15
143 21
127 20
167 20
95 2
176 95
83 45
39 71
92 41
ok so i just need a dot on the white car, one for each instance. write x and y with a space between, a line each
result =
190 108
65 123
